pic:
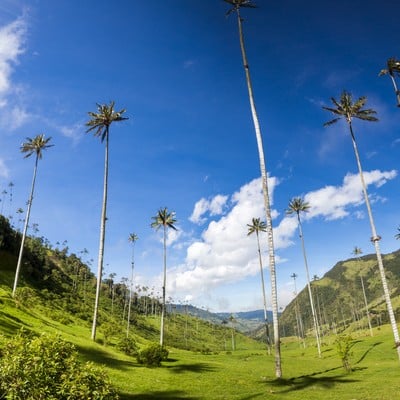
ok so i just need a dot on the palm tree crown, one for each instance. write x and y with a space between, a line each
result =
239 3
133 237
346 108
101 121
164 218
393 69
356 251
256 226
297 205
397 236
35 146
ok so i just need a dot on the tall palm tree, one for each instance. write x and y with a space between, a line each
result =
100 123
296 206
397 236
255 227
165 219
31 146
132 238
357 253
299 321
393 69
347 109
236 6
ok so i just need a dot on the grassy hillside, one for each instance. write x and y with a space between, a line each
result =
56 295
338 296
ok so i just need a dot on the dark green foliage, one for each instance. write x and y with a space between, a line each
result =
339 298
344 344
152 355
128 346
47 368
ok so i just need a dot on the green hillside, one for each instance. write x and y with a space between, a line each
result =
206 360
339 298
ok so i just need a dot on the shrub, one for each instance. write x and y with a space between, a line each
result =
152 355
47 368
128 346
344 343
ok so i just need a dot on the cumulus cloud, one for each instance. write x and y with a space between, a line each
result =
12 45
224 253
215 206
334 202
4 173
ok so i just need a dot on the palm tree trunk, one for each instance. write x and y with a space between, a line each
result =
316 326
163 288
102 239
28 213
130 295
396 90
264 297
277 342
375 239
366 307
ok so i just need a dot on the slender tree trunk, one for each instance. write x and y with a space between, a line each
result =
28 213
277 342
130 294
264 297
375 239
163 288
102 239
316 327
366 307
396 90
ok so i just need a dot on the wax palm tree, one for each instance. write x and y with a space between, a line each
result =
132 238
256 227
357 253
347 109
296 206
299 321
393 69
164 219
100 123
397 236
236 6
31 146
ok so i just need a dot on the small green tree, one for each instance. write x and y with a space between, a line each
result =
344 344
47 368
152 355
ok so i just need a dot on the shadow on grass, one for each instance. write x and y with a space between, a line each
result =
181 368
170 394
102 357
367 351
305 381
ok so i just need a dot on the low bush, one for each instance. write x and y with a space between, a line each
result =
152 355
128 346
47 368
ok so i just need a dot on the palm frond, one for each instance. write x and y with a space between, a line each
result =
297 205
331 122
35 145
101 120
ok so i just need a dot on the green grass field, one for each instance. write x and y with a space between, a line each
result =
247 373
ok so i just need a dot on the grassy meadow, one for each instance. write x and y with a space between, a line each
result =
246 373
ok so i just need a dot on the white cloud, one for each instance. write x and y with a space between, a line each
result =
215 206
225 254
333 202
4 173
12 40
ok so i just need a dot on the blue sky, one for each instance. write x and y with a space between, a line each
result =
189 143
